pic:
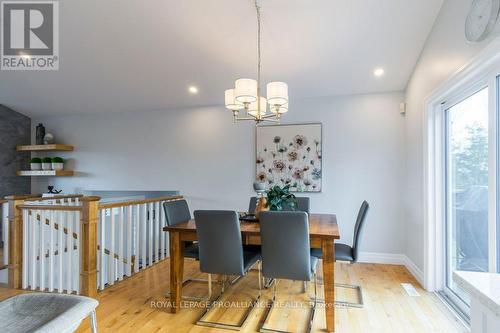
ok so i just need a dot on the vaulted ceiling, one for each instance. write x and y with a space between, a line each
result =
129 55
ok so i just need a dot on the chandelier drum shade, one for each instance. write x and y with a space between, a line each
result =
245 100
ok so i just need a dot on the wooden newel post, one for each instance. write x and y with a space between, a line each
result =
16 239
89 220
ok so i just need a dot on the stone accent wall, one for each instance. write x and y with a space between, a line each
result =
15 129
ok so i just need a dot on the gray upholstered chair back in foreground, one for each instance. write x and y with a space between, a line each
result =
285 245
176 211
219 237
46 313
303 204
358 227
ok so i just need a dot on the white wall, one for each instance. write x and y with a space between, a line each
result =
446 51
209 159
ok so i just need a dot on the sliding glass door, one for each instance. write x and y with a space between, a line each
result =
466 178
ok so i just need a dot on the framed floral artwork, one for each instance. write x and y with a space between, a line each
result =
290 155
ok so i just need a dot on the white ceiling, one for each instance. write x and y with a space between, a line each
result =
130 55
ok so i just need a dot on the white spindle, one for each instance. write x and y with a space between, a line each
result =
111 257
60 250
32 264
150 233
51 251
157 231
162 233
69 253
77 265
120 243
143 223
129 240
41 252
25 248
102 238
137 237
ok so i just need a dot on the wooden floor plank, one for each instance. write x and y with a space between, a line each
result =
138 304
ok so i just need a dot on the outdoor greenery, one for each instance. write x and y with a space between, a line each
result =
280 197
470 158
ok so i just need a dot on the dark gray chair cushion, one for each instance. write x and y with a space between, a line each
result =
342 252
221 248
303 205
285 246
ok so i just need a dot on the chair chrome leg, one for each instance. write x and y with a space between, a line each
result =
193 298
270 307
360 304
93 322
268 283
351 304
235 327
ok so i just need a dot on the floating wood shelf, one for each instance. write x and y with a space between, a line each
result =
45 173
53 147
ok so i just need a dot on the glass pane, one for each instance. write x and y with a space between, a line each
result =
467 187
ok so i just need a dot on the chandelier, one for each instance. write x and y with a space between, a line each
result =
245 100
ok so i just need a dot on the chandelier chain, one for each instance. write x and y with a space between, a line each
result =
257 8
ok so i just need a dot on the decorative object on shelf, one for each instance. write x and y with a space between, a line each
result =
481 20
36 163
260 188
246 93
52 190
280 197
290 155
46 163
48 139
57 163
40 134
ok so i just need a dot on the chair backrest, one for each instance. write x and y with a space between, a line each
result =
358 227
285 245
176 211
219 238
302 205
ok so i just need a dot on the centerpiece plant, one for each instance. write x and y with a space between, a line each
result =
279 198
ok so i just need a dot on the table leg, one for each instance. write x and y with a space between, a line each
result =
176 271
328 250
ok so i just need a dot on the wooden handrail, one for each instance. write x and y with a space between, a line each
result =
139 202
56 197
3 201
50 207
23 196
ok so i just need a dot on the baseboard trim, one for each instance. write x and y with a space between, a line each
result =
393 259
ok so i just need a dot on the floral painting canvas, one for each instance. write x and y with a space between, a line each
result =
290 155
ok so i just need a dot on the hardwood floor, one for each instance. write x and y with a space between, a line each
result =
138 305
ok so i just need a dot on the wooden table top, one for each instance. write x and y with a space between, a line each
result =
320 226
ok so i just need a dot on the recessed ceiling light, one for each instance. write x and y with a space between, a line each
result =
378 72
193 90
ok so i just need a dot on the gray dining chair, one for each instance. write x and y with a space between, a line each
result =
176 212
221 252
46 313
303 205
286 255
344 252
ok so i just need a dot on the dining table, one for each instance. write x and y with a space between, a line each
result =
323 231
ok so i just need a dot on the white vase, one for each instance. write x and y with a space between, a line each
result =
57 166
46 166
36 166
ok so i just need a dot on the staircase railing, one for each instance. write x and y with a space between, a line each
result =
76 244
